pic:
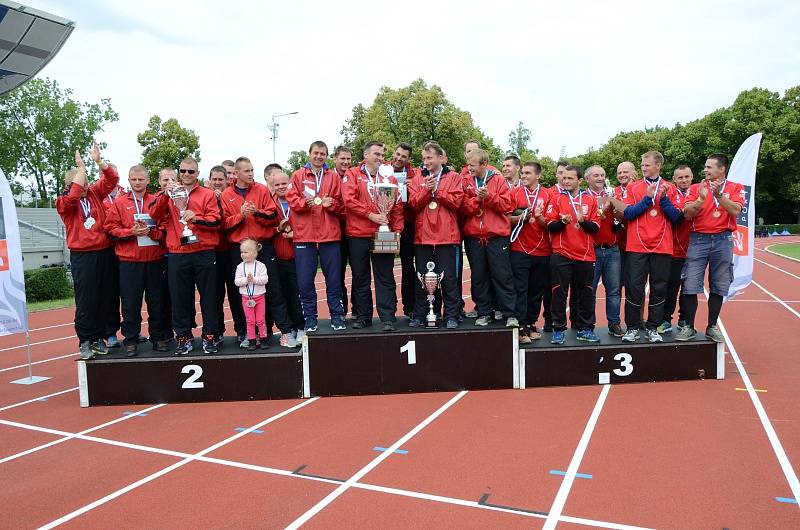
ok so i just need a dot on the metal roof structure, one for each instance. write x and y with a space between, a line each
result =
29 38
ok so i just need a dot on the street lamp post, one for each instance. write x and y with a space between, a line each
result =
274 129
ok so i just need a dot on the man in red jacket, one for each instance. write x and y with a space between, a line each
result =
284 251
712 208
572 220
315 197
113 318
139 245
218 183
487 201
191 263
649 213
359 192
250 213
404 174
342 161
530 251
91 257
682 178
435 196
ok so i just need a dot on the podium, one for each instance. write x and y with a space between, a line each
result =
369 361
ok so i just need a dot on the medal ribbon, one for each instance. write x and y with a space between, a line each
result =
572 202
436 187
287 211
251 287
716 202
318 180
86 208
136 203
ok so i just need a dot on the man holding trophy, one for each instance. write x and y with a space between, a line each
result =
371 202
192 216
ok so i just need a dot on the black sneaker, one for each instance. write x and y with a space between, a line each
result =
359 324
415 323
388 326
131 350
99 347
209 344
219 340
161 346
254 345
141 339
184 345
615 330
85 349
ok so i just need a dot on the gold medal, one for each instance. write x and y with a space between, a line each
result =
317 201
479 213
653 212
433 205
716 213
251 303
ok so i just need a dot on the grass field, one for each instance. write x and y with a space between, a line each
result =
51 304
791 250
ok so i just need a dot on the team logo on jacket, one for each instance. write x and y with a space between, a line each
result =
549 208
585 209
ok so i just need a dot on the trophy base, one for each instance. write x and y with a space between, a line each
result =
386 243
430 322
189 240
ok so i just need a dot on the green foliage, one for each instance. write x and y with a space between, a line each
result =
297 159
47 284
723 131
518 141
792 228
415 114
165 145
41 126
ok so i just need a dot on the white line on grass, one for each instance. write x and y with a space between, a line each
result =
176 465
369 467
554 514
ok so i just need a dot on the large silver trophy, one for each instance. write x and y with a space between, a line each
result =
430 282
385 193
180 197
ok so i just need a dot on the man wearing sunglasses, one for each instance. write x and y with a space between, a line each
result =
191 264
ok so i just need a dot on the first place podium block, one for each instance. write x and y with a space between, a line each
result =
357 362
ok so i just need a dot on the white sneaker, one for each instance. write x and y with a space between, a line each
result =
653 336
299 336
632 335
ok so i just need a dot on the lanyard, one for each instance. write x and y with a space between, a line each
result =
86 207
251 287
139 209
483 182
318 180
438 178
286 211
572 202
716 202
658 185
535 196
371 185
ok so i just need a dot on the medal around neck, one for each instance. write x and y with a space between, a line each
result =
385 195
317 201
430 282
180 197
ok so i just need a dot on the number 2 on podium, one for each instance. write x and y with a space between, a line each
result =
410 347
193 381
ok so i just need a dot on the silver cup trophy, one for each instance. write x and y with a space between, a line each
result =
430 282
385 241
180 197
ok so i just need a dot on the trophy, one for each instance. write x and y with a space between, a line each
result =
430 282
180 197
385 193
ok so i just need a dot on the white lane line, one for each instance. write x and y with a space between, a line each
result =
292 474
369 467
777 268
777 448
37 399
72 436
37 343
39 362
554 514
768 247
176 465
777 299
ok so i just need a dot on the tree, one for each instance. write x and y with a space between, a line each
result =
518 141
41 126
166 144
297 159
415 114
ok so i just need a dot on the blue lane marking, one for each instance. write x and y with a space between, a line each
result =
129 413
398 451
786 499
563 473
254 431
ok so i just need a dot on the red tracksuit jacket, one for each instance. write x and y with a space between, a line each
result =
203 202
359 203
487 218
69 208
315 224
119 224
438 226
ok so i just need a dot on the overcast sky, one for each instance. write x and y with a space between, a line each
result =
575 73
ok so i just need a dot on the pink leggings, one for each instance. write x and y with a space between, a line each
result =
255 315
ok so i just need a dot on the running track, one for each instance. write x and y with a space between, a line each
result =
705 454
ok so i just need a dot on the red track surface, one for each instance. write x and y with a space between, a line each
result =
669 455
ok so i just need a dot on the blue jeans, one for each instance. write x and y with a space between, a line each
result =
608 265
714 251
306 258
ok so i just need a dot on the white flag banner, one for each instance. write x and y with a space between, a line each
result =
743 171
13 311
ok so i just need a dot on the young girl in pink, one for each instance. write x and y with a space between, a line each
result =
251 278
